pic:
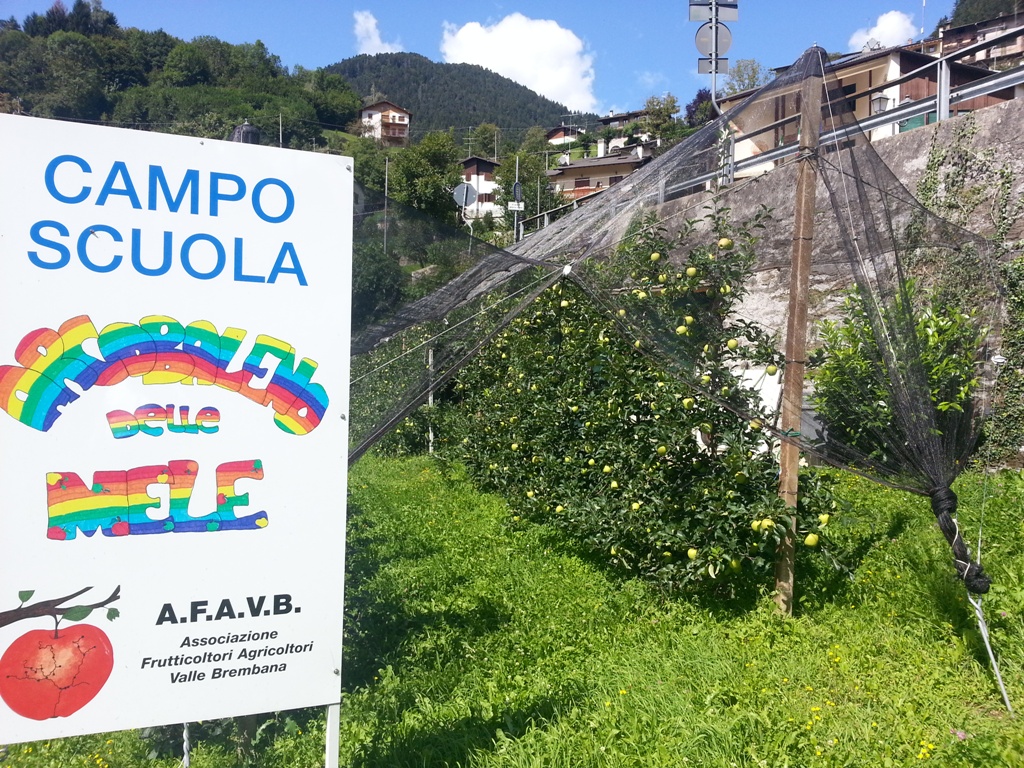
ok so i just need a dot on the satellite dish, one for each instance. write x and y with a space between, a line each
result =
464 195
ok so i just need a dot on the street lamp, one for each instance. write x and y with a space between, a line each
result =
879 103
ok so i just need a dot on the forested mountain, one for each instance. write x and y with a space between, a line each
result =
972 11
82 65
443 96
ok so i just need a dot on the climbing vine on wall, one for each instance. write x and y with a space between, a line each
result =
969 187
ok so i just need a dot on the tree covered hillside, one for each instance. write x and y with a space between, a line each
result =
460 96
82 65
972 11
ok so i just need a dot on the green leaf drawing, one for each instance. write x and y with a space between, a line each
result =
77 612
112 613
26 595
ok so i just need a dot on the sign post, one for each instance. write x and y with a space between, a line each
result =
174 346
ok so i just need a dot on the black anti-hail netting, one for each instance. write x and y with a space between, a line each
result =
916 298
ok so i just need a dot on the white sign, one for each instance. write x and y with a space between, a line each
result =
512 205
174 336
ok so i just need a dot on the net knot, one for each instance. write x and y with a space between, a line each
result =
944 504
943 500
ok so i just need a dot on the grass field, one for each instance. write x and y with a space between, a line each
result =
475 639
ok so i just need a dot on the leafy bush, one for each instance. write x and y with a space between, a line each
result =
853 392
659 467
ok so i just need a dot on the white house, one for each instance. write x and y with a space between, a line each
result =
386 122
478 172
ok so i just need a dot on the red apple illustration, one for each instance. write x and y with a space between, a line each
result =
48 674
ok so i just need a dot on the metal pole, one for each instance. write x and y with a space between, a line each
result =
430 400
333 736
796 333
714 56
515 214
386 159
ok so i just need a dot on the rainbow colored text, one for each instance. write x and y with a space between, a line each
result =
118 502
157 350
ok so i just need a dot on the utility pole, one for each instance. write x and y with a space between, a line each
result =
796 333
386 161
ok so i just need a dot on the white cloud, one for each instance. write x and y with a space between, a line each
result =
537 53
892 28
651 82
368 36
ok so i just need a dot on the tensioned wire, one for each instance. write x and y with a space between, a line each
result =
732 189
451 328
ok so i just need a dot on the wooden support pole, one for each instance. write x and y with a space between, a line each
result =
796 332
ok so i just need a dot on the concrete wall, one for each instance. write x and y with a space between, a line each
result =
999 133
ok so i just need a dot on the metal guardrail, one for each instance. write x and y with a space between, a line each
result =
940 104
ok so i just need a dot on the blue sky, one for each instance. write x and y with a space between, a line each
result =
594 56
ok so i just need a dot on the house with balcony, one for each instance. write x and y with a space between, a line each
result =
575 179
620 129
870 81
1002 54
386 122
478 172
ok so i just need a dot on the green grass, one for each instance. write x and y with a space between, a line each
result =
476 639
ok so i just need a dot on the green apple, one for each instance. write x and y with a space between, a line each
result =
692 553
662 450
529 494
607 470
559 509
705 379
755 424
688 402
691 271
563 304
732 343
655 256
725 244
756 525
823 518
688 320
811 540
614 484
771 370
682 330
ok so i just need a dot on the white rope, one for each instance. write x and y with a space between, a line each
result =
186 747
976 602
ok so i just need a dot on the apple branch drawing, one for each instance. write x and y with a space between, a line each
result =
54 673
54 608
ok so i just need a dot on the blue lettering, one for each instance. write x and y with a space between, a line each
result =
257 205
287 249
190 183
38 239
186 260
240 276
215 194
83 241
51 172
137 255
119 170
